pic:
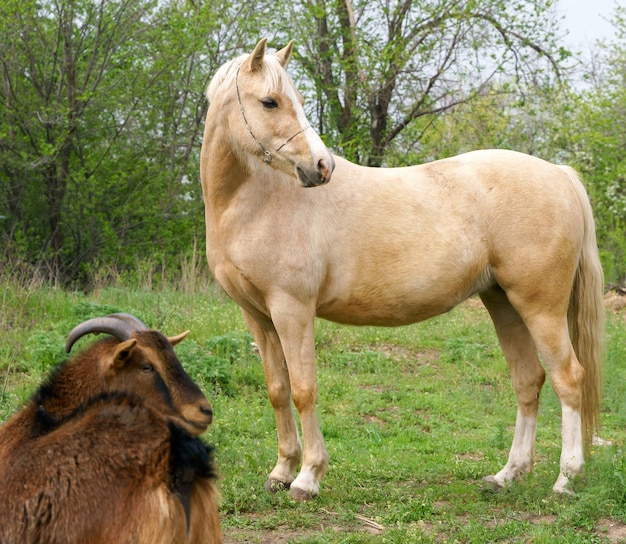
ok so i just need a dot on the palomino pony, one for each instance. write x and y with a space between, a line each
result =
393 246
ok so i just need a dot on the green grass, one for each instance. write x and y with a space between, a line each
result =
413 419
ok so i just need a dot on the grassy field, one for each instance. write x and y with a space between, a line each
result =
413 419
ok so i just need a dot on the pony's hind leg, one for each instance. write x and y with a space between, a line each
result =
528 377
546 319
551 336
279 390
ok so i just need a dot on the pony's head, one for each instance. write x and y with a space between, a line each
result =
255 97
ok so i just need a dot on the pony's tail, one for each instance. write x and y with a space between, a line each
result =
586 316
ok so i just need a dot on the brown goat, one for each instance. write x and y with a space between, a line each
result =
106 451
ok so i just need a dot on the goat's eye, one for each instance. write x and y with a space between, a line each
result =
269 103
146 367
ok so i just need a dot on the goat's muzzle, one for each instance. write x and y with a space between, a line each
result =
197 417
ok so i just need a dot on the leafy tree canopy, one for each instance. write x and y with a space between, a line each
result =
102 108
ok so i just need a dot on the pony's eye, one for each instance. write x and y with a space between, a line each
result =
146 367
269 103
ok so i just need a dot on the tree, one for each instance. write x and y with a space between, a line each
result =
378 66
102 104
530 122
65 106
101 111
597 139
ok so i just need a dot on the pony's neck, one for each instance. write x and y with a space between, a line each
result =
222 170
234 179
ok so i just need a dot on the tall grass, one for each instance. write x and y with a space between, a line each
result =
189 275
413 417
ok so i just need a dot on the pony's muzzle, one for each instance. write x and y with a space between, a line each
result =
310 178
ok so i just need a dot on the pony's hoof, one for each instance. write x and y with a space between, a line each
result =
274 486
564 486
301 495
565 491
493 483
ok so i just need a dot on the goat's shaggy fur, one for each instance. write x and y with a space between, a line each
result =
83 463
115 471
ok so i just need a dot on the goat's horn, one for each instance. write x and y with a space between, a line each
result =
109 325
131 320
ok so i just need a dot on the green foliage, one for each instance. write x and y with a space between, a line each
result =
220 362
102 106
597 143
101 113
43 351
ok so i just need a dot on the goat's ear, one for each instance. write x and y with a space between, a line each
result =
174 340
122 353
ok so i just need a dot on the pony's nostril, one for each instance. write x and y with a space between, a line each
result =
207 411
325 168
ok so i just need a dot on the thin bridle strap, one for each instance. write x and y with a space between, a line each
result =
267 154
289 140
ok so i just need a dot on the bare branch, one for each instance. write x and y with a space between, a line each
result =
507 33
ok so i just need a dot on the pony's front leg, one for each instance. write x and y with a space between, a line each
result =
294 325
279 391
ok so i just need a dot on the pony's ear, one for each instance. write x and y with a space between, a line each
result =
255 60
284 54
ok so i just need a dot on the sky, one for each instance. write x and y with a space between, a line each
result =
586 20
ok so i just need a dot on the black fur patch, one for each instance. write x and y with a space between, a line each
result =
190 460
44 422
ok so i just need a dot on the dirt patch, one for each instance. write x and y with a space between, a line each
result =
276 536
400 353
410 359
615 531
615 301
474 302
542 520
612 530
374 420
282 535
